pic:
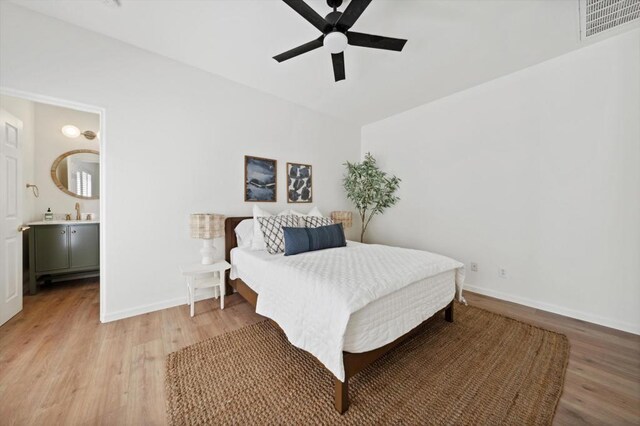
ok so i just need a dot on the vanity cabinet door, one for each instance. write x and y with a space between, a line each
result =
51 247
85 245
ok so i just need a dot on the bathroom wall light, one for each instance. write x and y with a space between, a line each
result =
71 131
89 134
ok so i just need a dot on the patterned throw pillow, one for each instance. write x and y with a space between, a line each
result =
302 240
271 226
315 221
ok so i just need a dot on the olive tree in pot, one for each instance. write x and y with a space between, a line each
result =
370 189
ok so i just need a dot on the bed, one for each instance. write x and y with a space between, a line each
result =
380 318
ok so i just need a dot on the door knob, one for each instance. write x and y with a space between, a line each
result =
23 228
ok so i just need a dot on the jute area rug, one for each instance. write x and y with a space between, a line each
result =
481 369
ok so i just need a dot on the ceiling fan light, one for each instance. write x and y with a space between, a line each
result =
70 131
335 42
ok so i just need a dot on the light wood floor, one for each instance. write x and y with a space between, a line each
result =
59 365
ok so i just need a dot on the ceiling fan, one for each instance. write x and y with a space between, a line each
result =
336 34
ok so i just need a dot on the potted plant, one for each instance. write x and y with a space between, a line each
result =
370 189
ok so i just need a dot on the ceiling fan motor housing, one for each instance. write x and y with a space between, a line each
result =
333 17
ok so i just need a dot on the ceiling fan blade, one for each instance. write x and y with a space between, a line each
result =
375 41
352 13
304 48
309 14
338 65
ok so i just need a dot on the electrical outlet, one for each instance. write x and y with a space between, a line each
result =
474 267
502 273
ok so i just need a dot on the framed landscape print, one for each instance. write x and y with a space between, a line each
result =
260 179
299 183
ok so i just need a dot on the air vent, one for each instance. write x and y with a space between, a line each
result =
603 15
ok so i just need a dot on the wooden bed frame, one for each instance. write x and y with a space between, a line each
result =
353 362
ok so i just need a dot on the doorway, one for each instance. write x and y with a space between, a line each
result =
56 197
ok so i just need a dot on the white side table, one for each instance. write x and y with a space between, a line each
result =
196 275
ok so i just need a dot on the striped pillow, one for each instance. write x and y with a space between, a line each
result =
301 240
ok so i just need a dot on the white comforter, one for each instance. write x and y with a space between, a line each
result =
312 295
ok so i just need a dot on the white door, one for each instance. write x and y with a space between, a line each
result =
10 216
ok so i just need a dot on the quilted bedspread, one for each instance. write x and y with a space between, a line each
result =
312 295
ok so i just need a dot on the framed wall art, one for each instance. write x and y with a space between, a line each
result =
260 179
299 183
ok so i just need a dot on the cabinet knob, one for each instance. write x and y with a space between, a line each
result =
73 232
63 232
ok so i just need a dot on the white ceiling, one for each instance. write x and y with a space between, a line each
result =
452 45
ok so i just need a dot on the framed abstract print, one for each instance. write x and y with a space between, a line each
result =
260 179
299 183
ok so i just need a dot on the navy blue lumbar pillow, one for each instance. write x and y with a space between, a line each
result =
301 240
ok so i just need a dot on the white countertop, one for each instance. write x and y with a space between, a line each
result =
63 222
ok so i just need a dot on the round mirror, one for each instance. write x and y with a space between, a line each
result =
77 173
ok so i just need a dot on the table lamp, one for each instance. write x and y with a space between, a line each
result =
207 226
343 217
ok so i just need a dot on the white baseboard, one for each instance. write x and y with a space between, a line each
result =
207 293
580 315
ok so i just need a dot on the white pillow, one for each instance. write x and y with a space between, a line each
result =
258 242
314 212
258 237
244 233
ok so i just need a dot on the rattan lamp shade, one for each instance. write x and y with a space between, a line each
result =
343 217
206 226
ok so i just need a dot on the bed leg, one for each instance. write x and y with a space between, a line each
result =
342 395
448 312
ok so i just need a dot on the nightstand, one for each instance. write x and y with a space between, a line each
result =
204 276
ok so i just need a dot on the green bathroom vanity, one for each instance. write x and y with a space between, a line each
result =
58 248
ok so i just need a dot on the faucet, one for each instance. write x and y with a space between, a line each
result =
78 215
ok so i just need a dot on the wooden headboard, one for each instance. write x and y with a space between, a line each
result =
230 240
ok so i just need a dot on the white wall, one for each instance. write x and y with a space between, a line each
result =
174 143
537 172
